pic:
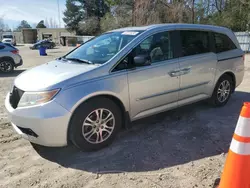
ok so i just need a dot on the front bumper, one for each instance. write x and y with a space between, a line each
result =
49 122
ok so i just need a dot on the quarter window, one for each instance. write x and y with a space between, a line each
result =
194 42
223 43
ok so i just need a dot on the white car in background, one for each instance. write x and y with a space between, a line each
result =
9 39
9 58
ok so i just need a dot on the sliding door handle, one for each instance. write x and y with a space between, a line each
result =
185 70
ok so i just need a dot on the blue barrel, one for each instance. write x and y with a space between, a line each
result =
42 51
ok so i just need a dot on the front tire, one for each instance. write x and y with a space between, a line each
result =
95 124
222 91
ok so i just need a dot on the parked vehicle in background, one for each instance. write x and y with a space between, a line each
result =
123 75
9 39
48 44
9 58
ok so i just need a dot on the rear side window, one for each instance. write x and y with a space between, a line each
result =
223 43
9 45
2 47
194 42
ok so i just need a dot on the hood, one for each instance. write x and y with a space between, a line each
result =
45 76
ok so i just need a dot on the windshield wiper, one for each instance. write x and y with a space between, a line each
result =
61 58
79 60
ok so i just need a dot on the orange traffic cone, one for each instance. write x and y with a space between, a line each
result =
236 173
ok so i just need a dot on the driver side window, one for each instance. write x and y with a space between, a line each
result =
156 48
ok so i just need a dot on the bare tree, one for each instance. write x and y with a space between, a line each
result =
3 26
164 11
46 23
52 23
219 5
90 26
193 11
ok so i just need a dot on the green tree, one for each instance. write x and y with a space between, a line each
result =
23 24
79 12
41 24
73 15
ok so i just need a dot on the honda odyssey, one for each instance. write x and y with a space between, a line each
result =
89 94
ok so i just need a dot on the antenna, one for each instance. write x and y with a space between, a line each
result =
59 17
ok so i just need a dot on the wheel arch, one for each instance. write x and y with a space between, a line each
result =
116 99
232 75
7 57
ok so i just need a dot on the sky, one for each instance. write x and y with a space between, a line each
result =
33 11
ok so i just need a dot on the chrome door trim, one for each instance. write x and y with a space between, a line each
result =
240 56
172 91
192 86
157 94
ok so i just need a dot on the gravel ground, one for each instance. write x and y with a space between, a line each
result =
185 147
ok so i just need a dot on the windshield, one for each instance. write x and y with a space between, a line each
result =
7 36
102 48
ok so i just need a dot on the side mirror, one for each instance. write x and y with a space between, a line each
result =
142 60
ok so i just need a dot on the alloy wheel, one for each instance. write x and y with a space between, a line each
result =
223 91
98 126
5 66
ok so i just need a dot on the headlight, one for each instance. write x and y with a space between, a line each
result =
36 98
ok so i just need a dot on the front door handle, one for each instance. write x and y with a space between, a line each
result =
174 73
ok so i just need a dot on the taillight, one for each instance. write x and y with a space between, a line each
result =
15 51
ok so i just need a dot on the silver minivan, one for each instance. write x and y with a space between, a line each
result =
88 95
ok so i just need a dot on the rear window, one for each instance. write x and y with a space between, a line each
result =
9 45
223 43
8 36
2 47
194 42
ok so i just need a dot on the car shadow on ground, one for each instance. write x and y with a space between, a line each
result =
171 138
13 74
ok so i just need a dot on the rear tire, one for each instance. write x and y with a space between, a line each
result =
222 91
89 130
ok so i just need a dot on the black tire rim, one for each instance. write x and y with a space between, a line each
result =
223 91
6 66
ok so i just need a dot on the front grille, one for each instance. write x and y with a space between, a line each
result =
15 96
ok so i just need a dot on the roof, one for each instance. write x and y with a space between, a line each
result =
173 25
